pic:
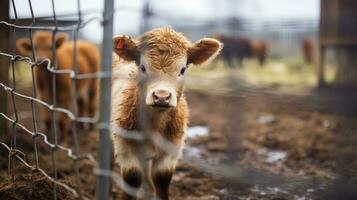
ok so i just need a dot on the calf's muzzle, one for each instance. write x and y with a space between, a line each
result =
161 98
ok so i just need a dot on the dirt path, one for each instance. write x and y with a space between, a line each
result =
286 143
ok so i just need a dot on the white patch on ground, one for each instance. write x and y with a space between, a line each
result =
266 119
276 156
276 191
197 131
191 151
326 123
273 156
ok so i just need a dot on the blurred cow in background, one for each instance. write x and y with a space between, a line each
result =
241 48
308 49
259 50
88 60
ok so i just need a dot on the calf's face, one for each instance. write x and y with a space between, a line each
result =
163 82
42 42
162 57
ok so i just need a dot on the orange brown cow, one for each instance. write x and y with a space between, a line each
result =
308 49
88 60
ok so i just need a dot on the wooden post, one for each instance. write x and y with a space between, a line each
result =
347 29
321 67
338 29
328 34
4 62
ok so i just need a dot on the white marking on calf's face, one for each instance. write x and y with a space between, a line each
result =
167 79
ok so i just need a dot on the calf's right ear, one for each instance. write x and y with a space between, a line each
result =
126 48
23 47
60 39
204 51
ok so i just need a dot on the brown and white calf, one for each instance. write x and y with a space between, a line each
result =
88 58
150 72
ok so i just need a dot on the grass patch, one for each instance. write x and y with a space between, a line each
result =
287 72
22 74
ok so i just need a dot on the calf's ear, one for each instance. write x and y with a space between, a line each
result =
23 47
126 48
203 51
60 39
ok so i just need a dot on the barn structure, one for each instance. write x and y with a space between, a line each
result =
338 30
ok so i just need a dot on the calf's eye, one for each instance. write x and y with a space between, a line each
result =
142 68
183 70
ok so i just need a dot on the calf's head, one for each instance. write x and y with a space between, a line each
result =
42 41
162 57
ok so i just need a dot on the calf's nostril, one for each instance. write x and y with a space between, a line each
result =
155 96
168 96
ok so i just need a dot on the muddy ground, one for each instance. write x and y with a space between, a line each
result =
262 144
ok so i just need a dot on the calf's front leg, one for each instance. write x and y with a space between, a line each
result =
130 168
162 171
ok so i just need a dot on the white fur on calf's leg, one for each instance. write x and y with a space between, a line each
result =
162 171
130 169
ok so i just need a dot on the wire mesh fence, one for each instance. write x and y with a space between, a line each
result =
70 112
101 163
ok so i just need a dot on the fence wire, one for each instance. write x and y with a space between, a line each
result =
233 174
72 153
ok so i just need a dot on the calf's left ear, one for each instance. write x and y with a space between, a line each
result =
23 47
203 51
126 48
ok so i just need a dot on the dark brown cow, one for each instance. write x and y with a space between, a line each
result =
241 48
308 49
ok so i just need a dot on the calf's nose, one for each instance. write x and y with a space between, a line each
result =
161 97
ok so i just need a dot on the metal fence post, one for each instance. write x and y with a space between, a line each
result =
103 183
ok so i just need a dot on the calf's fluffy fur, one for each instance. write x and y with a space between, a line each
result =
148 86
88 59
